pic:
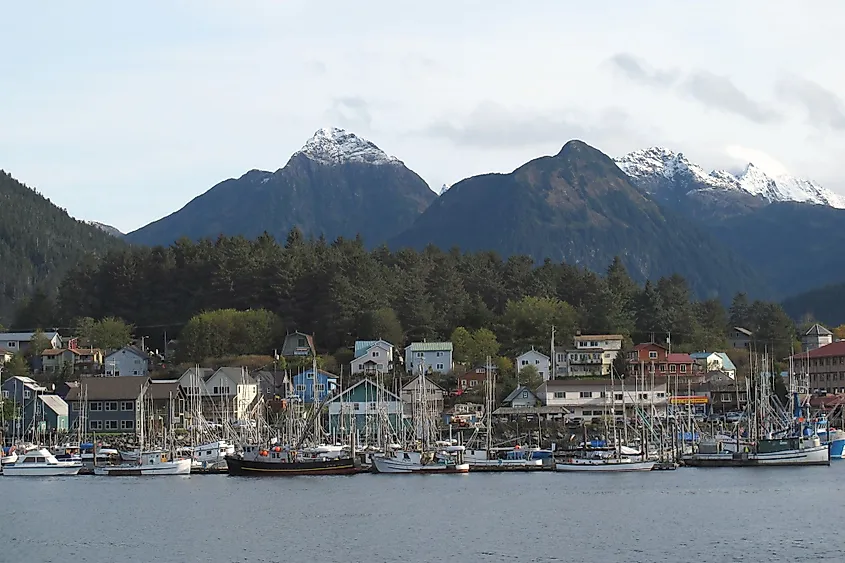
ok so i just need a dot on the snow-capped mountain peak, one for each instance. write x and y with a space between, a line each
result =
647 165
332 145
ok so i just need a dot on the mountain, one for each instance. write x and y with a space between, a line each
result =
338 184
673 180
39 242
824 304
578 206
106 229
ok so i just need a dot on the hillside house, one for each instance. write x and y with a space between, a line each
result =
739 337
19 341
304 384
86 360
422 389
299 345
372 357
429 357
127 361
590 398
714 361
816 337
537 359
472 380
522 396
651 358
364 407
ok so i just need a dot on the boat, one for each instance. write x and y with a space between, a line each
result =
149 463
40 463
787 451
8 455
401 461
211 456
598 462
276 460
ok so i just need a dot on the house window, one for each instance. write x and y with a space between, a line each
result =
463 382
301 342
652 355
617 396
11 344
683 368
672 368
663 367
356 406
111 425
375 354
127 406
216 390
643 396
110 405
536 362
560 395
726 397
95 424
439 354
361 367
420 354
586 394
321 387
661 395
127 425
95 406
525 362
473 382
310 376
27 394
300 388
440 366
525 394
5 394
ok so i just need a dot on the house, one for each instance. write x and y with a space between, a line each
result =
824 367
522 396
816 337
654 359
303 385
472 380
714 361
37 410
739 337
537 359
365 408
298 345
372 356
193 380
129 360
592 355
229 394
429 357
19 341
273 385
114 404
422 388
589 398
87 360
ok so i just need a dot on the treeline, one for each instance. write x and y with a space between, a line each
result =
340 292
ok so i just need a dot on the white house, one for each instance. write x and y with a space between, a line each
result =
537 359
715 361
372 356
193 381
421 388
430 357
592 356
127 361
816 337
588 398
230 392
522 396
19 341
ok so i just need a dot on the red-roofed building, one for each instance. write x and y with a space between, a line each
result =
653 358
825 366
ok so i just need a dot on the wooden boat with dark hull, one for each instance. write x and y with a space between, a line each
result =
246 465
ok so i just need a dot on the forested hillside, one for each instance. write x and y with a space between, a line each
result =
39 242
341 292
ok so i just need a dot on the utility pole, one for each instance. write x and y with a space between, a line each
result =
551 356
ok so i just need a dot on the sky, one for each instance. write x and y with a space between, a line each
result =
123 112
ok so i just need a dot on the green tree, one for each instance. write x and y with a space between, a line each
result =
740 311
530 377
529 321
38 344
17 366
84 331
227 332
474 347
111 333
462 344
380 323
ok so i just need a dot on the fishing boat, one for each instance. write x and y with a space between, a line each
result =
601 461
40 463
276 460
790 451
401 461
149 463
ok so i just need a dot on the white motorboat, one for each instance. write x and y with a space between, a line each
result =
211 455
149 463
603 464
400 461
40 463
8 456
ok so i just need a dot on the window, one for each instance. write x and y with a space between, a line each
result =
127 406
439 354
321 387
726 397
586 394
216 390
27 394
661 395
643 396
440 366
300 388
301 342
310 376
683 368
672 368
652 355
95 424
127 425
536 362
110 405
524 362
111 425
473 382
560 395
356 406
361 367
134 372
95 406
617 396
663 367
11 344
463 382
525 394
375 353
5 394
420 354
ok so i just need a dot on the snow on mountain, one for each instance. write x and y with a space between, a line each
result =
106 228
646 165
331 145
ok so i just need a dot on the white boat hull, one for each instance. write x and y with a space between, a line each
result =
5 460
816 455
43 471
604 465
177 467
413 464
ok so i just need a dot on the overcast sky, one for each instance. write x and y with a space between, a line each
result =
123 112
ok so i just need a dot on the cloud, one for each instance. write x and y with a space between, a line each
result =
824 108
761 159
719 92
638 71
352 112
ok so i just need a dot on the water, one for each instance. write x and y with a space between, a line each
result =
689 515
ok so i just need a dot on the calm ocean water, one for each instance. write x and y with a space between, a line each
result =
724 515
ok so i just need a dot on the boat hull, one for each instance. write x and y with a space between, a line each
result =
605 465
178 467
13 471
339 466
391 465
818 455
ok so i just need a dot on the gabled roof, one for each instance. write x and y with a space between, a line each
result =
600 336
25 336
727 364
202 373
818 330
744 331
235 375
411 385
387 394
532 351
108 388
55 404
430 347
678 359
701 355
53 352
308 338
320 372
163 389
130 349
647 345
834 349
516 392
363 346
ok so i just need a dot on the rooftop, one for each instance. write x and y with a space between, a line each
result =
599 337
430 346
24 336
818 330
108 388
827 351
679 359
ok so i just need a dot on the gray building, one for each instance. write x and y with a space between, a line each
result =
430 357
127 361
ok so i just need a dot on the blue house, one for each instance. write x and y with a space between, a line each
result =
303 385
